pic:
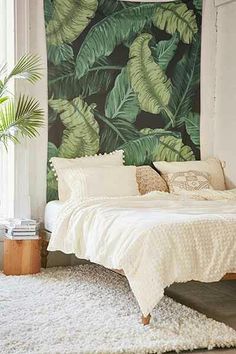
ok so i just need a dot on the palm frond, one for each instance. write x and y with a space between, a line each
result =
28 68
22 118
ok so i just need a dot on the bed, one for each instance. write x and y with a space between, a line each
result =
155 239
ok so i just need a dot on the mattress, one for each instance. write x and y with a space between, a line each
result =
50 216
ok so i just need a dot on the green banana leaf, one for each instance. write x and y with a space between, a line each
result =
159 132
164 51
48 10
52 150
192 124
122 102
116 132
108 7
57 54
154 147
149 82
171 148
113 30
139 151
63 83
198 5
81 134
52 186
176 17
69 19
186 78
52 117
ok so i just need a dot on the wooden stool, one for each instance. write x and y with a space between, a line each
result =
21 257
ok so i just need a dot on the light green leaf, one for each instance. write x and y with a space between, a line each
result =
70 18
147 78
173 17
110 32
122 102
57 54
192 123
164 51
63 82
81 134
170 149
159 132
22 118
3 99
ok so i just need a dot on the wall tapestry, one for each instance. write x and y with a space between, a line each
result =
123 75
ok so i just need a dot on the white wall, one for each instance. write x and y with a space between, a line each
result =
218 123
225 107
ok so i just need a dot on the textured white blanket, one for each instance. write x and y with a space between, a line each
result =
157 239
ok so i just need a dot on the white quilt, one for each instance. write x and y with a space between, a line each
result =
157 239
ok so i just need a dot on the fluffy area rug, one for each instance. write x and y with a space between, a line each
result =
88 309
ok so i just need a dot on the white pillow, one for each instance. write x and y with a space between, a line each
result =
113 159
107 181
211 166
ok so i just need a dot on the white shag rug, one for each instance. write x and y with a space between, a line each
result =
88 309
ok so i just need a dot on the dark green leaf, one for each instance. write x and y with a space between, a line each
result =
122 102
57 54
110 32
185 80
192 123
63 82
164 51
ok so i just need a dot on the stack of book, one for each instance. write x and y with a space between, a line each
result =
22 229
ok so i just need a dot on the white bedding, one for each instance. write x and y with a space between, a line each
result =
50 215
157 239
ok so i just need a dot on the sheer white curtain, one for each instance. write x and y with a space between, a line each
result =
6 158
23 168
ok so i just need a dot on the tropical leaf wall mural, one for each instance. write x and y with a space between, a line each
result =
123 74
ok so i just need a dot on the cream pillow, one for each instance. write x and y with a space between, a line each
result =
107 181
113 159
211 166
187 181
149 180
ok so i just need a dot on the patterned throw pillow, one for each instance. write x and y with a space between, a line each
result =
149 180
189 181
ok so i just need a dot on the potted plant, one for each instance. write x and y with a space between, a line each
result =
19 117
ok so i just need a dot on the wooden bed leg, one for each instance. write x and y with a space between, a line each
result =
146 319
